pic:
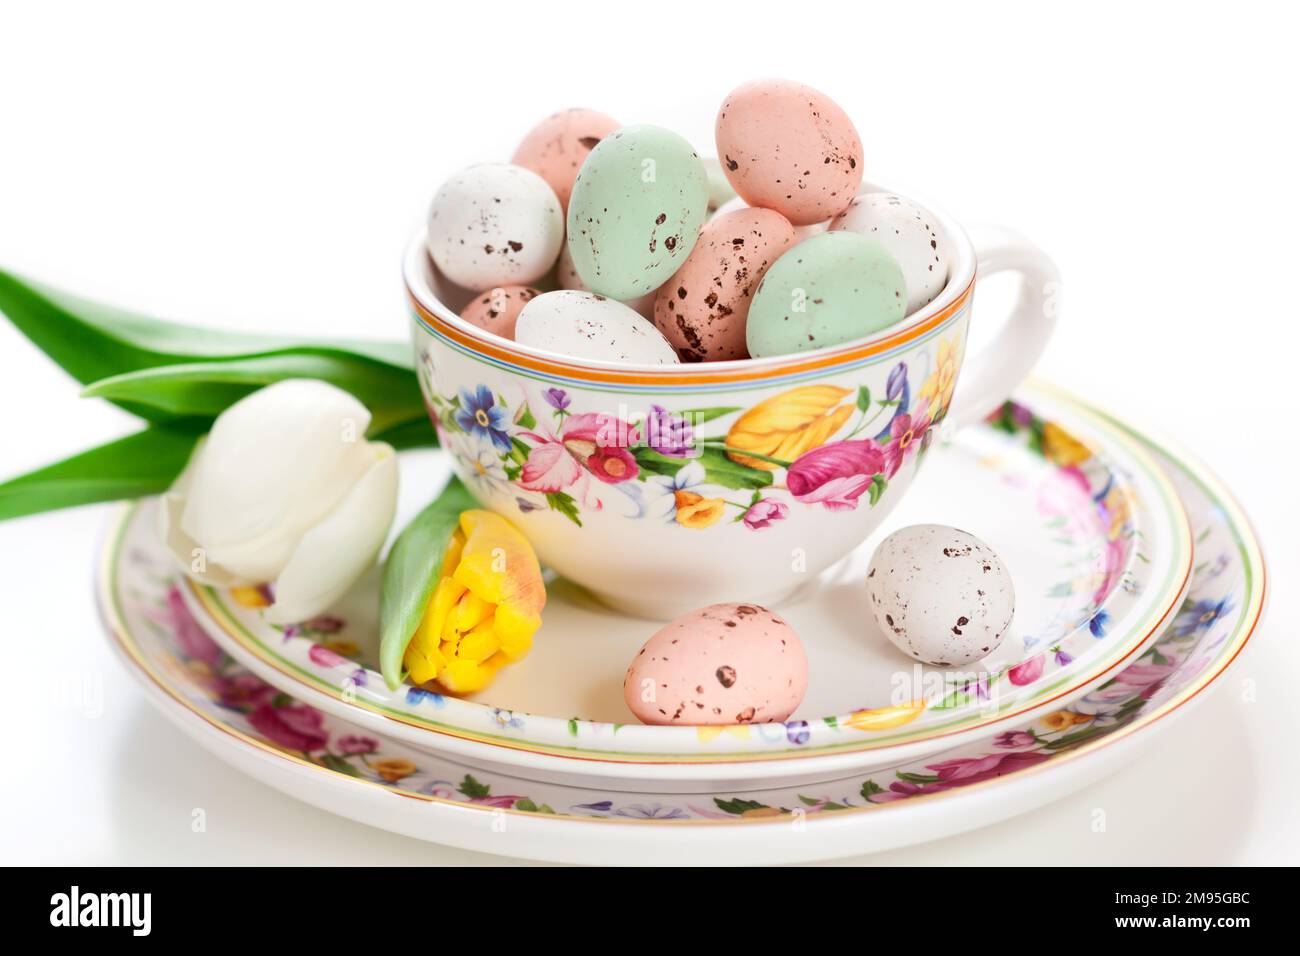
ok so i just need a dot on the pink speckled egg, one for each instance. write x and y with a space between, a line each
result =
723 664
556 147
788 147
497 310
702 309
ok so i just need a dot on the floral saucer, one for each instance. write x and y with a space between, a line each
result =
377 779
1093 532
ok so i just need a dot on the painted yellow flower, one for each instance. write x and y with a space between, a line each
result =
787 425
939 385
484 610
696 511
708 733
394 769
1063 449
1064 719
250 596
1119 505
886 718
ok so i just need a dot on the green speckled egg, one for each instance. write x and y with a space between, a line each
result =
636 210
832 288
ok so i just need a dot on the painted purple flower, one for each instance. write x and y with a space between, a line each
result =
526 506
1062 657
835 475
1014 738
1026 672
294 726
1199 616
897 384
763 512
193 640
965 771
356 744
557 398
796 731
669 434
480 415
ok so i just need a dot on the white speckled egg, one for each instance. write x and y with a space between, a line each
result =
909 233
495 225
723 664
941 595
590 326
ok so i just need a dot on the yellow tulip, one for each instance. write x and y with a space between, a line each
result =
886 718
696 511
1063 449
484 610
787 425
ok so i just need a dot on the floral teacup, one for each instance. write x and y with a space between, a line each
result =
665 488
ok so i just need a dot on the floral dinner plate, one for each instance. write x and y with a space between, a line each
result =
345 768
1092 531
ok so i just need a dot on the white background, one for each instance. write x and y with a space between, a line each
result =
260 166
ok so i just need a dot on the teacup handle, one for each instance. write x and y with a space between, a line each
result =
988 379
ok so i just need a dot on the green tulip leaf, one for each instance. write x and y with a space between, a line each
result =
206 389
145 463
411 572
92 342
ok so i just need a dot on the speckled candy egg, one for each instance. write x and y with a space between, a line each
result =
941 595
566 277
556 148
788 147
703 308
495 225
908 232
497 310
831 288
722 664
636 210
720 191
800 232
590 326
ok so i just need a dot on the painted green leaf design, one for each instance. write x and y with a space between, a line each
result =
864 398
472 788
412 571
145 463
718 468
698 416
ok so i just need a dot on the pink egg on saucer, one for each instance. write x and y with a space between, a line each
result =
702 309
557 146
723 664
789 147
497 310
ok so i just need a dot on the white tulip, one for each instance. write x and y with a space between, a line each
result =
284 490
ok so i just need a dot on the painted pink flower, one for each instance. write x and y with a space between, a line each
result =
835 475
906 430
967 770
1144 675
503 802
591 442
1026 672
549 467
193 640
764 512
323 656
294 726
243 691
600 442
1013 739
355 744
